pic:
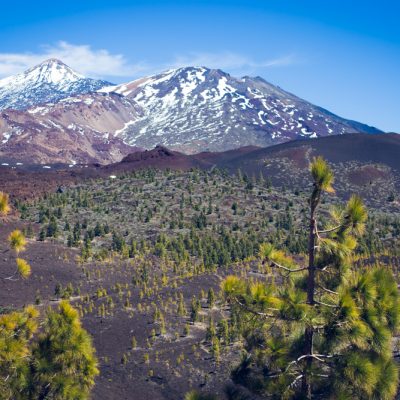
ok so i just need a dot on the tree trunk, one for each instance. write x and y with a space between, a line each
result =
311 256
306 381
309 332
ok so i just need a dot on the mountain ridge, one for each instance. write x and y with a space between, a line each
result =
188 109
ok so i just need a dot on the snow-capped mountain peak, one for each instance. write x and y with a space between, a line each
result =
53 71
50 81
197 108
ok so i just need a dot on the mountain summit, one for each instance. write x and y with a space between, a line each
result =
50 81
52 71
194 109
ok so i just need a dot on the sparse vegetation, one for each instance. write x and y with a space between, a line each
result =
141 258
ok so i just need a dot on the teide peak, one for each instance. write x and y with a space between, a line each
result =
47 82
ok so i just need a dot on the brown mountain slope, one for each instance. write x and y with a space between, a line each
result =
75 130
380 149
160 157
364 164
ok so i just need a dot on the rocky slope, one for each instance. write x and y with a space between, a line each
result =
75 130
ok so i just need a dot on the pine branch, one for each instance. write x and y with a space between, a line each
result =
290 270
298 377
328 290
325 304
329 230
318 357
250 310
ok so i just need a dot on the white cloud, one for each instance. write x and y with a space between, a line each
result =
231 62
82 58
103 64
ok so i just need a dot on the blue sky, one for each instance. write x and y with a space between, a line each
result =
341 55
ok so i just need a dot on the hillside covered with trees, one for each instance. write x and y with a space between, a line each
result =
181 278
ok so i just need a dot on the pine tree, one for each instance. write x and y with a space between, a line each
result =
16 331
181 306
210 298
211 331
216 349
42 235
17 243
64 364
52 229
16 328
223 331
327 330
195 307
56 363
4 206
261 179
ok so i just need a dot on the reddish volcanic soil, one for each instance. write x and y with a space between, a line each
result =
367 174
163 378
